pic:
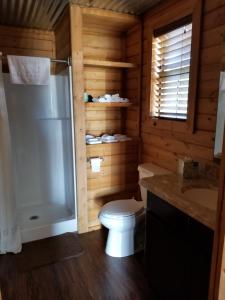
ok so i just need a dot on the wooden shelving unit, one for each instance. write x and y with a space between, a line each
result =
105 104
109 64
106 54
110 145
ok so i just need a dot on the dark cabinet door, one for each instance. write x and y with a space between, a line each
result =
166 248
200 240
178 253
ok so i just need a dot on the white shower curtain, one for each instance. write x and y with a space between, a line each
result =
10 239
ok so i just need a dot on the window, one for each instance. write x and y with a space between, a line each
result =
171 56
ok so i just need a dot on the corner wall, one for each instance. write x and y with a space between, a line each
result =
165 145
24 41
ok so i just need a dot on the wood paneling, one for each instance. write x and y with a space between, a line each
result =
79 114
133 53
163 145
102 18
118 177
107 120
63 38
27 42
100 47
100 58
104 46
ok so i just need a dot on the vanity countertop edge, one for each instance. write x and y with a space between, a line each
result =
171 187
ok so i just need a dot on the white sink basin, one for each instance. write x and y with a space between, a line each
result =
203 196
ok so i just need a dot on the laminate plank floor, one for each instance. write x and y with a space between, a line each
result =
91 276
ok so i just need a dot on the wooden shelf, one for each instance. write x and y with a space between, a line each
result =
104 149
107 63
106 19
108 104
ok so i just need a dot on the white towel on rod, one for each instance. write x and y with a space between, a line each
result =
222 81
29 70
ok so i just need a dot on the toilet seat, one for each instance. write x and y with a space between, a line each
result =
122 209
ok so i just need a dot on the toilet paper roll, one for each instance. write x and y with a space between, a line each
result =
95 164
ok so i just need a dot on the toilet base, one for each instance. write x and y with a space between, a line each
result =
120 243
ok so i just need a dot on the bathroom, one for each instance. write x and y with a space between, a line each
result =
92 141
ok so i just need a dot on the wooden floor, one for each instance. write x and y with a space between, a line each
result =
93 275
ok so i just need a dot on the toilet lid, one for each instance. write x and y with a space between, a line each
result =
122 208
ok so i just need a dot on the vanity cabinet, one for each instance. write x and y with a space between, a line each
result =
178 252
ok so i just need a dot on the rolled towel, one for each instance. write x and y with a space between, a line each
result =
106 138
103 99
89 136
108 98
92 141
122 137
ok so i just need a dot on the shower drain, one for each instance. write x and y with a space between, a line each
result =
34 218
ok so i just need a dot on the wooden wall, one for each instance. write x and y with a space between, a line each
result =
62 36
165 144
30 42
102 45
133 45
118 177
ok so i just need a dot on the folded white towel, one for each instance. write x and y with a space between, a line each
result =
110 98
103 99
89 136
117 98
106 138
29 70
122 137
92 141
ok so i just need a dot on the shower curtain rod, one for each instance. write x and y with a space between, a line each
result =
68 61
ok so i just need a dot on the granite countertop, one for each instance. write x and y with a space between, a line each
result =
171 188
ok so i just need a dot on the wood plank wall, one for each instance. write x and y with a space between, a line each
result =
118 177
76 29
103 45
28 42
164 145
133 79
63 39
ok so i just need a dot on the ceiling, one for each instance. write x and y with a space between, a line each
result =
135 7
43 14
40 14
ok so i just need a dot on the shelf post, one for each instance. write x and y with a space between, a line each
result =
79 113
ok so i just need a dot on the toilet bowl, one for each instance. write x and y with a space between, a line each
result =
123 218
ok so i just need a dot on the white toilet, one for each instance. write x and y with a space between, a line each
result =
122 217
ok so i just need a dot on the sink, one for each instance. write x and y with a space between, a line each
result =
203 196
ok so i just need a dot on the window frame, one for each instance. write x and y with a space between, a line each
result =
195 14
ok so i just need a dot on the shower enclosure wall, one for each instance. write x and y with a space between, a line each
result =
43 158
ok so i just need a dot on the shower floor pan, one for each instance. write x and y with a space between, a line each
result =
42 221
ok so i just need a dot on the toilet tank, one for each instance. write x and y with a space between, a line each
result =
149 170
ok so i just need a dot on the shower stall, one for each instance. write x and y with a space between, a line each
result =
41 125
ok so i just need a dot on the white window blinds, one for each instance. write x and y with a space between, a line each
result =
171 54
